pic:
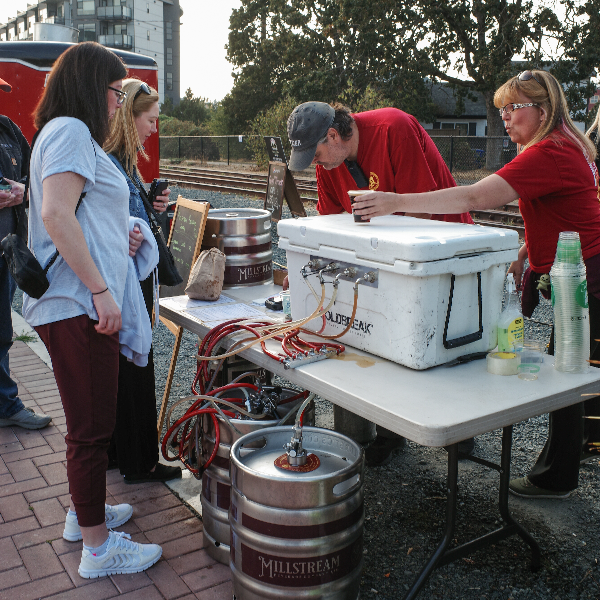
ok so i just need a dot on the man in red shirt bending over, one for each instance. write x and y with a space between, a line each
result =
384 150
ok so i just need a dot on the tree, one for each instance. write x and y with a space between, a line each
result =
194 110
483 38
271 122
312 49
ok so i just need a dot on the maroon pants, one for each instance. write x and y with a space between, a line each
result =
86 368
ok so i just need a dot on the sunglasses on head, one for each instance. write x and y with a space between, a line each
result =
527 75
143 89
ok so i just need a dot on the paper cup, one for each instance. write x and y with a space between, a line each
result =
353 194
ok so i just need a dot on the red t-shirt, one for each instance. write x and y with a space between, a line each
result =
558 192
396 155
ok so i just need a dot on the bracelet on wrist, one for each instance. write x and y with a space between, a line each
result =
98 293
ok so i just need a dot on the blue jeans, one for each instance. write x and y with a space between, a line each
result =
10 404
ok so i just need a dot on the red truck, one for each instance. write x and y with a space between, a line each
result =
25 66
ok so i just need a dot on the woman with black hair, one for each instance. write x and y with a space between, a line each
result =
79 206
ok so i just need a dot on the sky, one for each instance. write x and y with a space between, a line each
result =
204 32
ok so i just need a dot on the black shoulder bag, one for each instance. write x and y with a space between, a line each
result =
22 264
167 271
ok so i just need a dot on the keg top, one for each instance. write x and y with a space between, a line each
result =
336 452
237 213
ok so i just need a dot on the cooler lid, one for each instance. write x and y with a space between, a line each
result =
392 238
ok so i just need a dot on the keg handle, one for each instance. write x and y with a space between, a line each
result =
348 485
296 454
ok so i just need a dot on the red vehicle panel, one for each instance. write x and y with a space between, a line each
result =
25 66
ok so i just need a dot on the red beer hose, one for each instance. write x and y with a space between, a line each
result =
173 430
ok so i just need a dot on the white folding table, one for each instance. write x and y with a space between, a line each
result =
436 407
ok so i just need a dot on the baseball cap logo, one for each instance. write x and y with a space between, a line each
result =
306 126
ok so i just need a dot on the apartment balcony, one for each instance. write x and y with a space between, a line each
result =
116 41
114 13
55 20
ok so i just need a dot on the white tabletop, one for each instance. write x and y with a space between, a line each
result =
435 407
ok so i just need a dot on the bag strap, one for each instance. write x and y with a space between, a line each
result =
152 214
83 194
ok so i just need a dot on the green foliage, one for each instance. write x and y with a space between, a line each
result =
311 49
166 108
196 110
25 337
172 126
362 100
219 124
271 122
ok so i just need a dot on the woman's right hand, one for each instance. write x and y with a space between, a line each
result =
517 267
109 315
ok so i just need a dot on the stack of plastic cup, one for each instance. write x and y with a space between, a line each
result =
570 303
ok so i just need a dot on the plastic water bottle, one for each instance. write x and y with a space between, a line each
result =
570 304
510 322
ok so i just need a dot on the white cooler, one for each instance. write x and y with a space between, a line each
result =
437 289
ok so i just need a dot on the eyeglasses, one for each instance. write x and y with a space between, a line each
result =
144 88
121 95
527 75
512 107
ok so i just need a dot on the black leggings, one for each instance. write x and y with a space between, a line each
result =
557 467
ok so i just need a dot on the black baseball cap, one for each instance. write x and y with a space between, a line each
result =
307 124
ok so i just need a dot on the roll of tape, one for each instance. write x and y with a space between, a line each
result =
502 363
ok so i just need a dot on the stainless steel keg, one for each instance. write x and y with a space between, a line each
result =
216 485
296 534
244 236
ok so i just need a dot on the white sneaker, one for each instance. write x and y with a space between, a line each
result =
115 517
121 556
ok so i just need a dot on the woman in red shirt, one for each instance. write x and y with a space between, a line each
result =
556 181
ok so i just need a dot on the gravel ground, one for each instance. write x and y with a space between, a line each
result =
405 500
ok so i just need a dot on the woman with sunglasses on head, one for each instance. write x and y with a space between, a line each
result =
135 440
555 179
78 207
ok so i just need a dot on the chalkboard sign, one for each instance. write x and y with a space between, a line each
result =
290 191
275 189
281 184
275 149
185 240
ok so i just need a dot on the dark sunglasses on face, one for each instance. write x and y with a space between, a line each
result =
527 75
121 95
144 88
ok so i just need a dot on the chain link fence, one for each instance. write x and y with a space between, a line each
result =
469 158
472 158
225 149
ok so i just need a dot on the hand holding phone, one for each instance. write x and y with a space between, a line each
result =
157 188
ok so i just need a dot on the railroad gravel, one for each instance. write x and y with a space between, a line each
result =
405 500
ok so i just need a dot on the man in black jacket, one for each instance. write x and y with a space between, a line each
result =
14 161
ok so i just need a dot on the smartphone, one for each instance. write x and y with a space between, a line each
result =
157 188
4 185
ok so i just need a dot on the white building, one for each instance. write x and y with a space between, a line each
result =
149 27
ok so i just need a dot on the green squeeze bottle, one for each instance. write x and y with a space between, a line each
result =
510 322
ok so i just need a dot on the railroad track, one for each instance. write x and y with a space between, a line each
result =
253 184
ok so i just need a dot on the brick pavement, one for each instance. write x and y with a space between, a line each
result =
35 562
